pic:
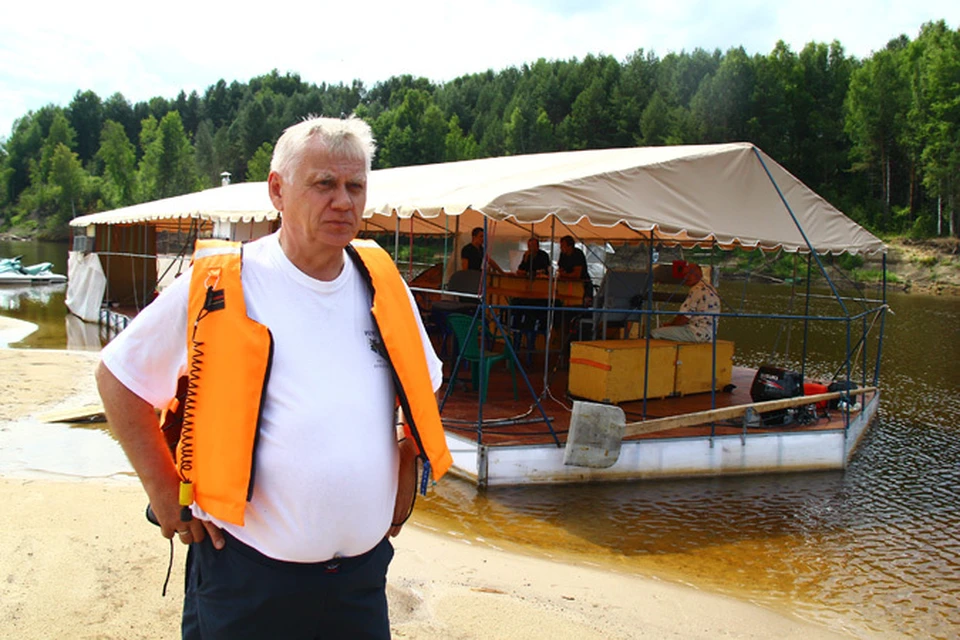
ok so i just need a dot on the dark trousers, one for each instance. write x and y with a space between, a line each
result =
238 593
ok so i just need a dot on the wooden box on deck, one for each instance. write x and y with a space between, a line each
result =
695 366
613 370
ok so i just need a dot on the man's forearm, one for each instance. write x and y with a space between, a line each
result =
134 424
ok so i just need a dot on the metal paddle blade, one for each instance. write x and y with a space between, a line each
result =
596 431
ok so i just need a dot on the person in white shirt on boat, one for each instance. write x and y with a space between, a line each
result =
702 298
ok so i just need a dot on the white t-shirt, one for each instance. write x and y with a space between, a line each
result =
326 459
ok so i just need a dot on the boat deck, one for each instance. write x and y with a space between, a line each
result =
510 422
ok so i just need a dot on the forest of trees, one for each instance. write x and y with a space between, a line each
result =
879 137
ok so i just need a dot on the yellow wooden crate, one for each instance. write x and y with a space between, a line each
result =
695 366
613 370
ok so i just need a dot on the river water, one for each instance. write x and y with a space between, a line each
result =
873 551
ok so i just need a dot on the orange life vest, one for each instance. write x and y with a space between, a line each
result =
229 357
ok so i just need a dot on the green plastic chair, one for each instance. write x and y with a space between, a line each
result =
460 325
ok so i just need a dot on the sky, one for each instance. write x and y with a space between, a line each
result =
51 50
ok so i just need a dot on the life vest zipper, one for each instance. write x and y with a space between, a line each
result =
256 435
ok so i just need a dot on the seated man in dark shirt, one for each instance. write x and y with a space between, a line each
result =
471 256
535 260
572 265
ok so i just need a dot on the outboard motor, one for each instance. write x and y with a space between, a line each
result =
776 383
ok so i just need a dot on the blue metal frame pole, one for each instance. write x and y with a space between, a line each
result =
802 233
883 319
806 325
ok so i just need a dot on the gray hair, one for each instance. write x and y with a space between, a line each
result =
350 137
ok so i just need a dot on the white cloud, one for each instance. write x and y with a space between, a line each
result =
144 50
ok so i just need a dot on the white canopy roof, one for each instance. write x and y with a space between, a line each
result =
241 202
682 194
686 194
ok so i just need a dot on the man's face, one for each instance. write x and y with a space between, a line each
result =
323 202
533 246
478 240
692 276
566 249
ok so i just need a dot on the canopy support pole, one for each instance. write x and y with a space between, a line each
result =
802 232
647 322
883 319
806 325
396 242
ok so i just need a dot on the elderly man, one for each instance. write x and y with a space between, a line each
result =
291 472
702 298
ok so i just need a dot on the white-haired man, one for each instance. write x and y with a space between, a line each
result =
294 470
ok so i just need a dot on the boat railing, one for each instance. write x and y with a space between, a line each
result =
646 316
111 324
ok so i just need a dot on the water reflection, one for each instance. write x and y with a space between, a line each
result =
42 305
872 550
30 450
16 298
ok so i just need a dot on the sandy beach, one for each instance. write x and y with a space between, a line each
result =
78 560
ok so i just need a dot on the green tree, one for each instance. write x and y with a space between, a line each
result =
189 109
21 148
227 153
414 132
205 155
217 108
57 192
723 103
592 123
655 122
67 181
935 121
457 145
822 144
51 178
119 159
679 75
772 126
119 109
517 130
86 118
167 168
259 166
60 133
875 109
149 130
252 127
5 173
638 79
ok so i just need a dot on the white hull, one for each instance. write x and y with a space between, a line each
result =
646 459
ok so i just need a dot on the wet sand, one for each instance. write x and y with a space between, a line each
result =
77 559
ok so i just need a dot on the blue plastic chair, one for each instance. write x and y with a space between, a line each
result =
470 347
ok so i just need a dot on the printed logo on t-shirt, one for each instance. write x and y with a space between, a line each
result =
377 346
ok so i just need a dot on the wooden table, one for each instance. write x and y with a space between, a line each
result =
510 285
